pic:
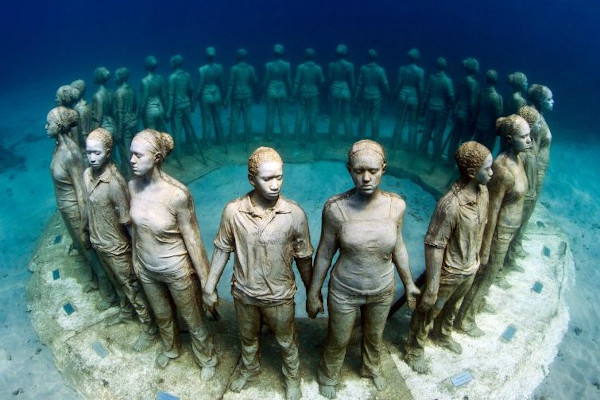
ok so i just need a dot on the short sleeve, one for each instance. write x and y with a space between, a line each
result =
225 239
443 222
302 246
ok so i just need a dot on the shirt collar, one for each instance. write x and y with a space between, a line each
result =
104 176
464 197
282 206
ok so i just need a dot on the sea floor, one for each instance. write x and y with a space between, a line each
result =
27 370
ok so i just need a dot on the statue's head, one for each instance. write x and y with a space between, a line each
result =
241 54
517 81
366 164
541 98
98 145
79 84
474 161
101 75
278 50
372 55
470 65
67 95
61 120
176 61
414 55
149 148
491 77
341 50
531 115
265 172
210 53
121 75
150 63
309 54
515 131
441 64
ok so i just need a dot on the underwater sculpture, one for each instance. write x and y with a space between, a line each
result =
341 90
125 113
168 250
465 108
437 102
516 99
307 84
241 90
84 111
365 225
278 88
180 105
102 102
489 109
452 246
67 96
67 175
507 190
543 101
372 86
210 95
109 226
408 95
267 232
153 97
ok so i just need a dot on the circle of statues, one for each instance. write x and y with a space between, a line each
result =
142 242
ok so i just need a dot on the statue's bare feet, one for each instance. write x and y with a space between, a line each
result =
292 392
327 391
380 382
239 382
143 341
162 360
417 363
207 373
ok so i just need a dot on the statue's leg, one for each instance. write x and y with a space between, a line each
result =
312 111
413 121
270 118
429 133
248 321
375 117
399 127
205 113
281 110
217 122
234 119
362 119
347 116
247 115
334 119
300 118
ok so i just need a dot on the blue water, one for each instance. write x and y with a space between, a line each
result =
45 44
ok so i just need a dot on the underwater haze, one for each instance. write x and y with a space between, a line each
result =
45 44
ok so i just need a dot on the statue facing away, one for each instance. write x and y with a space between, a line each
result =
153 97
278 88
67 96
341 90
168 252
489 109
365 225
241 90
210 95
84 111
267 232
452 246
307 84
516 99
371 88
507 190
102 102
125 113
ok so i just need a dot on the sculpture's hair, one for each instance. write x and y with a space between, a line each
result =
413 54
210 52
150 63
79 84
241 54
441 64
103 136
470 65
122 74
508 126
372 55
470 157
341 49
64 117
537 94
278 50
516 80
67 95
530 114
260 156
176 60
101 75
491 76
309 54
369 146
162 143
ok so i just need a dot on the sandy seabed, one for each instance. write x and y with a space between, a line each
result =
26 367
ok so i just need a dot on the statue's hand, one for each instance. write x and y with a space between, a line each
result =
85 238
211 301
427 301
314 305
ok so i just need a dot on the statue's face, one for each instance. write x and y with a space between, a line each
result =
485 173
268 180
52 128
97 155
547 104
366 169
143 157
521 140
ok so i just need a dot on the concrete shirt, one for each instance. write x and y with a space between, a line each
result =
265 246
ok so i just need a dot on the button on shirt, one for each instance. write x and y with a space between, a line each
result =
457 226
265 245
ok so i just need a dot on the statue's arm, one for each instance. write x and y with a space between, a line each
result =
401 262
497 189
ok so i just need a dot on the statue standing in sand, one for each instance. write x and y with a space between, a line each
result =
153 97
516 99
452 247
168 250
240 92
437 102
102 102
180 95
507 190
125 113
210 94
341 89
67 174
371 88
267 232
278 88
307 84
84 111
365 225
465 110
409 95
110 225
489 109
